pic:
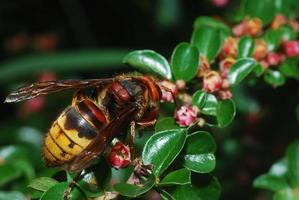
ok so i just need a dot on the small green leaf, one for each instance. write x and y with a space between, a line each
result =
265 10
279 168
226 111
199 98
57 191
162 148
210 106
207 40
293 163
245 47
199 156
272 39
131 190
240 69
149 61
184 62
13 195
42 184
274 78
166 123
178 177
270 182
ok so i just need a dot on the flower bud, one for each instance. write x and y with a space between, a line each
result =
225 66
220 3
278 21
225 94
273 58
230 47
212 82
260 50
295 25
169 91
291 48
253 27
186 115
119 155
204 66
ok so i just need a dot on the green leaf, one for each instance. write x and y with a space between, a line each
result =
287 194
210 22
207 41
26 167
12 153
289 68
265 10
13 195
208 191
210 105
199 98
293 163
57 191
199 156
226 111
184 61
131 190
240 69
287 33
270 182
98 59
274 78
42 184
245 47
162 148
273 39
149 61
8 173
279 168
178 177
166 123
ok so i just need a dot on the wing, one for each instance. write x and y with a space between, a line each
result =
48 87
98 145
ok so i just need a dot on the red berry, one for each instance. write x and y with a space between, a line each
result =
119 155
291 48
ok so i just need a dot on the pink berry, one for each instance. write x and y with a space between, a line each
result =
186 115
119 155
291 48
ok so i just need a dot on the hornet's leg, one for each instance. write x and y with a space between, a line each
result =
67 192
132 137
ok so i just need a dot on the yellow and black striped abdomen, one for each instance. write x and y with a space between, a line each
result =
72 132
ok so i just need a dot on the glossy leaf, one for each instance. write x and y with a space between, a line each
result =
210 22
287 194
289 68
162 148
149 61
240 69
199 98
178 177
57 191
226 111
166 123
245 47
199 156
274 78
279 168
207 41
98 59
8 173
293 163
270 182
184 62
210 105
272 38
131 190
42 184
265 10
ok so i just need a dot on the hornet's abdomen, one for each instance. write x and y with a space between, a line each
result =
72 132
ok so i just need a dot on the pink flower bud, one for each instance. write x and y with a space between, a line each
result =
225 66
212 82
169 91
249 26
186 115
225 94
260 50
119 155
220 3
295 25
230 48
273 58
204 66
291 48
278 21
